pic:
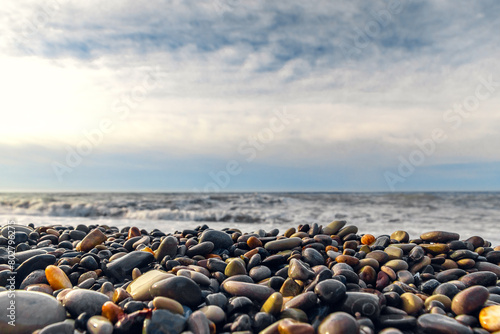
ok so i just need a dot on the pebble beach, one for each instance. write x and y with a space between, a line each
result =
310 278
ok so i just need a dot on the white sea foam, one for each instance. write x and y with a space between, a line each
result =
378 213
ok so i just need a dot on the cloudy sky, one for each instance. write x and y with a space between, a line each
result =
231 95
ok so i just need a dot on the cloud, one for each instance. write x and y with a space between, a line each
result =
365 81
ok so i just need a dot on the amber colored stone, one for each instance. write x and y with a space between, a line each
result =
254 242
489 318
273 304
120 294
170 304
57 278
133 232
290 326
94 238
147 249
367 239
112 311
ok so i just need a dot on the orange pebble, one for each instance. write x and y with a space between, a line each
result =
147 249
331 248
57 278
133 232
254 242
251 253
212 256
367 239
112 311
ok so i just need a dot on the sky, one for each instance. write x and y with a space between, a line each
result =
232 95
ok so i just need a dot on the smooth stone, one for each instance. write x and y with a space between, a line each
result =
289 326
218 299
164 321
417 253
447 289
290 288
92 239
484 278
411 303
394 252
439 236
347 230
378 255
273 304
252 291
401 236
198 277
57 278
486 266
450 275
24 255
469 300
298 270
339 323
202 248
77 235
214 313
283 244
259 273
198 323
80 300
445 300
368 275
330 291
294 313
241 323
397 265
436 248
34 263
36 277
87 275
15 228
334 227
400 321
441 324
98 324
170 304
221 240
235 267
304 301
180 288
489 318
89 263
366 304
64 327
123 266
33 310
312 257
239 305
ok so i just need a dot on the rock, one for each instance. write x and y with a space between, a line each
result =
283 244
34 263
63 327
304 301
214 313
297 270
198 323
289 326
15 228
235 267
221 240
202 248
273 304
441 324
330 291
334 227
36 277
439 236
31 311
123 266
163 321
168 246
57 278
411 303
78 301
23 256
339 323
469 300
366 304
89 263
489 318
170 304
94 238
139 288
484 278
180 288
99 325
259 273
252 291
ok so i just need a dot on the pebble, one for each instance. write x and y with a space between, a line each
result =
80 300
180 288
31 311
310 279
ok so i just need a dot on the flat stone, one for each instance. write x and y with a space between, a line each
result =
221 240
339 323
164 321
33 310
80 300
439 236
123 266
252 291
441 324
283 244
180 288
139 288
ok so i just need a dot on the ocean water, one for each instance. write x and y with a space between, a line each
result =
471 213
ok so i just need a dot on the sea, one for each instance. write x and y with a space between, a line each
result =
467 213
